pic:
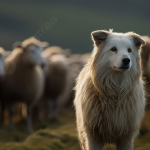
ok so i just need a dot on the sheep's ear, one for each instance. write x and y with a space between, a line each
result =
99 36
17 44
7 53
138 40
44 44
67 52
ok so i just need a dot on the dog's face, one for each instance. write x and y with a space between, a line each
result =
120 51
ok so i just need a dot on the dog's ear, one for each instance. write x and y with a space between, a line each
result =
138 40
99 36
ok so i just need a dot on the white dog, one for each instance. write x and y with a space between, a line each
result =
110 97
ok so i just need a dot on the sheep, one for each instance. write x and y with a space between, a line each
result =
58 81
3 55
76 62
145 55
53 50
26 82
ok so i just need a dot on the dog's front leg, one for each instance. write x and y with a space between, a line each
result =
93 142
125 143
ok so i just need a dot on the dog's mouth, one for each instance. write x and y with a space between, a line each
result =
122 68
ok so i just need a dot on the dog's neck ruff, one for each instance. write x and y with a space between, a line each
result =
114 86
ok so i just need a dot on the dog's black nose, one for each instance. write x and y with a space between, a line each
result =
126 61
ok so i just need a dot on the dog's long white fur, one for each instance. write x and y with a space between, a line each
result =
110 103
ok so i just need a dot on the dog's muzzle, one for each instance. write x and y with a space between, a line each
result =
125 64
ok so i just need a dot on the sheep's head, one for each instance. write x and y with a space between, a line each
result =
32 49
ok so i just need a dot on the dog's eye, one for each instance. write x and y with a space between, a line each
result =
114 49
129 50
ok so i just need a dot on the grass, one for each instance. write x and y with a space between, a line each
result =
49 135
59 135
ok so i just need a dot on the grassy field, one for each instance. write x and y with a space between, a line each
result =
58 135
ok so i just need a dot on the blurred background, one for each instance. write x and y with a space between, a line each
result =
69 23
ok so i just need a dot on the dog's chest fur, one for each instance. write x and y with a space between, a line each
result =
113 120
